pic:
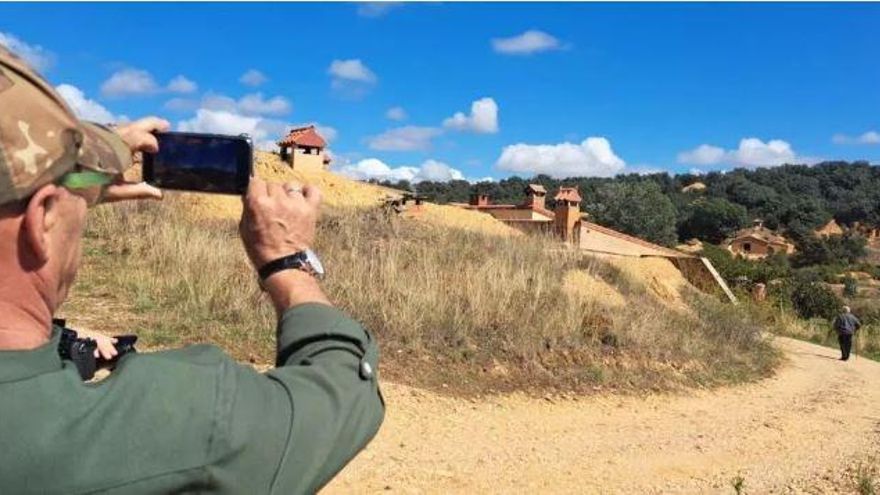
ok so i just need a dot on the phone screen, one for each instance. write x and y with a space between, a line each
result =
200 162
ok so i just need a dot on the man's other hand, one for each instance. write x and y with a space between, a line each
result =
278 219
139 135
105 343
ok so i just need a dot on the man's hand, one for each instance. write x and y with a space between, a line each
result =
279 220
139 136
105 343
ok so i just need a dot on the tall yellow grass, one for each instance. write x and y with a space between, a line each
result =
452 309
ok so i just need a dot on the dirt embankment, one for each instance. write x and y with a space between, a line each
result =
339 192
804 431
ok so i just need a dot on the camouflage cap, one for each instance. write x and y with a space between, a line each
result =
40 137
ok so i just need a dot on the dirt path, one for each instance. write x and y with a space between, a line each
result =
793 433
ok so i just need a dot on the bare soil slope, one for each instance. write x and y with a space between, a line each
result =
803 431
339 192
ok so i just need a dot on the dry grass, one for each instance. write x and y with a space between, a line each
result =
453 309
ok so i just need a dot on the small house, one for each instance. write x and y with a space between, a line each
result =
303 148
758 242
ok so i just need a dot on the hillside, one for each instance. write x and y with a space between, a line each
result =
460 303
339 192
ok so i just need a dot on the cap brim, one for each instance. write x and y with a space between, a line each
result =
103 150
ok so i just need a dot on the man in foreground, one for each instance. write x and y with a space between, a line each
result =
846 324
187 420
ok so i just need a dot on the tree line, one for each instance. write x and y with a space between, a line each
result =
794 199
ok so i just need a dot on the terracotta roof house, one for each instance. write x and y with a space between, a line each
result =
757 242
569 224
829 229
303 148
531 215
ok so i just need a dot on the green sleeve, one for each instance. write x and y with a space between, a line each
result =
318 408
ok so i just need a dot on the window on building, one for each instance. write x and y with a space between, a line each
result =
747 247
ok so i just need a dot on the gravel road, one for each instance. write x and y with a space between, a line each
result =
803 431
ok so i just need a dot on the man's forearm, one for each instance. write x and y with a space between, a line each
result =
291 288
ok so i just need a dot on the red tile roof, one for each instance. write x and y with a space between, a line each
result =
568 194
303 136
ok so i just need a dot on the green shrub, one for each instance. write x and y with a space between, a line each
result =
814 299
850 287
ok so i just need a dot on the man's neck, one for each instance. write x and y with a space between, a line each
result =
24 325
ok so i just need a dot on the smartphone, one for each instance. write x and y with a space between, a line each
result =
210 163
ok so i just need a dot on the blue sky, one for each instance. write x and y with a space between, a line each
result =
433 91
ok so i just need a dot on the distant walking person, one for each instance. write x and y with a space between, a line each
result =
846 324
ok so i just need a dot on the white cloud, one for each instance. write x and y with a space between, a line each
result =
253 78
376 9
181 84
407 138
351 79
751 153
396 113
373 168
250 104
181 105
38 57
529 42
264 131
483 118
591 158
869 137
703 154
129 82
351 70
255 104
85 108
438 171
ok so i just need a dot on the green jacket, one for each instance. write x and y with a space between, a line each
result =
193 420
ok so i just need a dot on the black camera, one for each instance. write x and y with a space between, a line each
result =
82 351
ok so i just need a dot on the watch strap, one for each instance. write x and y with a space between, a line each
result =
297 261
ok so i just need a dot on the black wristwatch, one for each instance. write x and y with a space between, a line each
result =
306 261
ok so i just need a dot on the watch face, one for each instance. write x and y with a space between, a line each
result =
313 260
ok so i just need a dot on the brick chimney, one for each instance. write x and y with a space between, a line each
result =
568 212
535 196
479 199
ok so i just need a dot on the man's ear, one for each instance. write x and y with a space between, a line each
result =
39 218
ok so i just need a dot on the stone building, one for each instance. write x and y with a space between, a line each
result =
303 148
758 242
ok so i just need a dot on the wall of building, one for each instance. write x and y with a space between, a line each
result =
595 240
567 218
514 214
757 248
302 161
